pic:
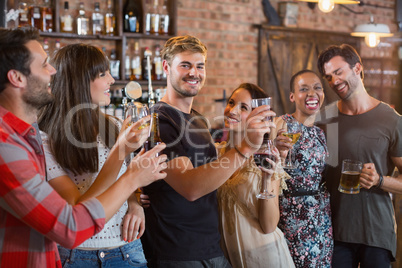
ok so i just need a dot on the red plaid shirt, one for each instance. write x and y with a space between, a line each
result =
33 217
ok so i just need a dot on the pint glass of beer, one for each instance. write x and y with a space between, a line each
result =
351 170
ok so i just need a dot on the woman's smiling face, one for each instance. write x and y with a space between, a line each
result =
237 110
308 94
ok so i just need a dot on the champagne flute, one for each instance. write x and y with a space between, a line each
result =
293 132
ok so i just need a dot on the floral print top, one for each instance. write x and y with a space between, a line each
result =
305 208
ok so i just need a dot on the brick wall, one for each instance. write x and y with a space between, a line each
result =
227 28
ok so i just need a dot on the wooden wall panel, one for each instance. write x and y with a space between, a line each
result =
285 51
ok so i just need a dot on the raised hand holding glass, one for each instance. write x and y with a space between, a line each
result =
293 132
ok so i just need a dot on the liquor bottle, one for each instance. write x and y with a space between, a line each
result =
157 69
110 20
136 69
23 15
97 20
66 20
147 52
35 17
82 22
114 65
152 18
119 109
127 62
47 17
154 136
155 18
164 19
132 16
148 16
118 96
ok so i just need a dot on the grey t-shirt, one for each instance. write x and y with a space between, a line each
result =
372 137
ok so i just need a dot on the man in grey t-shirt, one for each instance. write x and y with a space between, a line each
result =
360 127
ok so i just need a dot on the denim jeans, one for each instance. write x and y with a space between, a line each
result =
350 255
218 262
130 255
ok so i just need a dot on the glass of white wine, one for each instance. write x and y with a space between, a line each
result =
293 132
137 111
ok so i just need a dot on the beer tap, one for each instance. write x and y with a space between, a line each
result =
133 91
151 96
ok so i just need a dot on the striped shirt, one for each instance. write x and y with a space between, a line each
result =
33 217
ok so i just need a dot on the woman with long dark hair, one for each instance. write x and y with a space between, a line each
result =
86 151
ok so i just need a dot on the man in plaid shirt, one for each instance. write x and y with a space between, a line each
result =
33 217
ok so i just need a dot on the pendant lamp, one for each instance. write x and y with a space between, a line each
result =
328 5
372 32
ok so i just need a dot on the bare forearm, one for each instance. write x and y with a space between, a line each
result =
133 201
392 184
193 183
116 195
268 210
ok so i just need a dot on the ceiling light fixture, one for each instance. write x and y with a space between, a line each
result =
328 5
372 32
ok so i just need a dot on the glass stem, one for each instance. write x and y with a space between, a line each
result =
290 157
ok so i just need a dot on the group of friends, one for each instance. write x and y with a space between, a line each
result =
69 181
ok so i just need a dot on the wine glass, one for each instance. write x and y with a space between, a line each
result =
262 101
260 159
137 111
293 132
265 150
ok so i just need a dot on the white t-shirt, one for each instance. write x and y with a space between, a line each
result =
110 236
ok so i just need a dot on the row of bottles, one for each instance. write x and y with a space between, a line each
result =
136 67
157 17
97 24
38 15
139 67
116 108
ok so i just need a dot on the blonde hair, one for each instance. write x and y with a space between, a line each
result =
179 44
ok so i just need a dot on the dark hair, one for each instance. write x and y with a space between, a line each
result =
347 52
179 44
77 65
14 55
255 91
292 80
